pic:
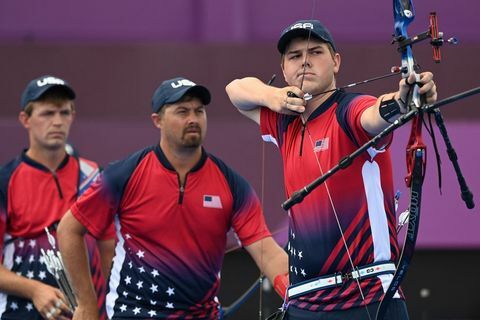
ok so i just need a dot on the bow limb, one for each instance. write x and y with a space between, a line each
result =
404 14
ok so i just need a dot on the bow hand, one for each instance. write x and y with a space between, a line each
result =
420 85
428 89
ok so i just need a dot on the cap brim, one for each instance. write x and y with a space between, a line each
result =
298 33
198 91
69 91
289 36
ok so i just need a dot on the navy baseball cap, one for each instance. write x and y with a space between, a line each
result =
38 87
170 91
301 29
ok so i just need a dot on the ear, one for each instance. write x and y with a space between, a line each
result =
156 120
282 64
336 62
23 118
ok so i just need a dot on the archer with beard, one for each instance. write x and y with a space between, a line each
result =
173 204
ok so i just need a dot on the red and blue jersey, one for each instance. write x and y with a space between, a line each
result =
361 195
31 198
171 237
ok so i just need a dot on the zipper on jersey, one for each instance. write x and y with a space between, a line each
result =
57 183
181 189
301 141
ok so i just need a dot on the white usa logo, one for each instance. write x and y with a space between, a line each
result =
306 25
50 80
183 82
212 202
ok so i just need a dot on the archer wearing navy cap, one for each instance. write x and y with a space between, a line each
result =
38 87
347 223
36 188
172 90
302 29
173 204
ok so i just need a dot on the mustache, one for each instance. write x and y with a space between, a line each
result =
192 128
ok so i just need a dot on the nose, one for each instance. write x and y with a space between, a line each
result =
57 119
306 62
194 117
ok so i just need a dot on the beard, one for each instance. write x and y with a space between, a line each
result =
192 137
192 142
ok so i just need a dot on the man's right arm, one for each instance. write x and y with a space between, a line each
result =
43 296
70 235
248 95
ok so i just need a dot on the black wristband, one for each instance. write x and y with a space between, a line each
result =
389 109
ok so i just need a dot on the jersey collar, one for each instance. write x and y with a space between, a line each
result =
164 161
327 104
40 166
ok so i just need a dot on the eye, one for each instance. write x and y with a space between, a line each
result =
47 113
294 56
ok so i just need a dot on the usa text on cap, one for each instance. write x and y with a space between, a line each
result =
172 90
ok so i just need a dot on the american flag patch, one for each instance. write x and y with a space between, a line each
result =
321 145
212 202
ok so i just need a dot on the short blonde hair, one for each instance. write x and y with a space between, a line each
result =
57 97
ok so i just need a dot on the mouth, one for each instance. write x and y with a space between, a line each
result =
305 74
57 134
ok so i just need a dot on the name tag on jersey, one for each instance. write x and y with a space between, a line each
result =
212 202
